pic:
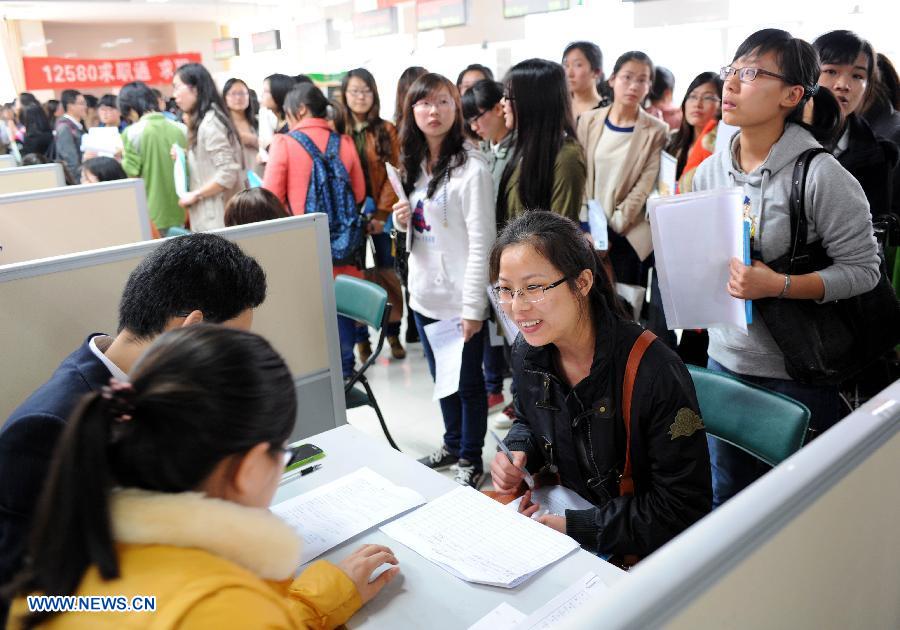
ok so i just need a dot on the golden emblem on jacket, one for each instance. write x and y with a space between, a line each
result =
686 423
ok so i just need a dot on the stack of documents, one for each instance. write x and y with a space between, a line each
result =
507 549
333 513
695 236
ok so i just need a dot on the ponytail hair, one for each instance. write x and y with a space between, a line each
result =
799 63
198 396
308 95
562 243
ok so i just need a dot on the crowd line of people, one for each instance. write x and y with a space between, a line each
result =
497 181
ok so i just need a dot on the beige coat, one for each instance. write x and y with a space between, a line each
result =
214 157
638 177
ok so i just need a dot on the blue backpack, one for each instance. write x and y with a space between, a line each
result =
330 193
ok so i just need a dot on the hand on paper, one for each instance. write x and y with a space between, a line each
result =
361 563
508 476
470 328
553 522
401 214
526 507
752 282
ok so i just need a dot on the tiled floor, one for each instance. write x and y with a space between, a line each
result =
403 390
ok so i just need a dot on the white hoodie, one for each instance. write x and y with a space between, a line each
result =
453 235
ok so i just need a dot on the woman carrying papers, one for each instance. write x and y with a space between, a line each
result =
161 488
771 78
451 213
634 447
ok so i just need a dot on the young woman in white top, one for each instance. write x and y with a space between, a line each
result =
622 145
451 213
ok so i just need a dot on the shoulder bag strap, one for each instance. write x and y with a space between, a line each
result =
797 202
626 483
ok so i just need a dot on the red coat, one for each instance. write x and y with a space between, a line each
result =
290 167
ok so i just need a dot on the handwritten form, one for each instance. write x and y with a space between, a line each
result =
507 550
589 587
446 340
333 513
553 500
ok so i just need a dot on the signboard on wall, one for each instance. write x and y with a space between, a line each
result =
375 23
266 41
518 8
440 14
226 48
60 73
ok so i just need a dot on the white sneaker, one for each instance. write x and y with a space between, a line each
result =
502 422
466 475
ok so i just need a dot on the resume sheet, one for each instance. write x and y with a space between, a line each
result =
446 340
508 549
333 513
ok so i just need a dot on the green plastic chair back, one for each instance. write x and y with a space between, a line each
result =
177 231
360 300
766 424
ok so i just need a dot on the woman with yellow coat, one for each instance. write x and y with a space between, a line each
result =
157 502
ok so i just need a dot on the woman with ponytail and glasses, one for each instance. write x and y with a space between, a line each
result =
161 486
451 213
639 457
767 85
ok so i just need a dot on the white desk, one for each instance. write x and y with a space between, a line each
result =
424 595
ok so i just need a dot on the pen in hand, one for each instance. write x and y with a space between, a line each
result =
529 480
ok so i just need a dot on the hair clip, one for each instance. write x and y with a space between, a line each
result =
812 90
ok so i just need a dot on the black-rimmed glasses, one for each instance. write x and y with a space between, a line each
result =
532 294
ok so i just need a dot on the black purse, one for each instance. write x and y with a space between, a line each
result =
401 256
826 344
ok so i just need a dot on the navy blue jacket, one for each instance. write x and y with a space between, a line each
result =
27 441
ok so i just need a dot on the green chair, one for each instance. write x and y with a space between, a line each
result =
367 303
766 424
177 231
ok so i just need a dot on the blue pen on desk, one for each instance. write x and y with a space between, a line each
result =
529 480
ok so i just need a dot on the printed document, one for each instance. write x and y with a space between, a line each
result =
695 236
554 500
589 587
446 339
333 513
503 617
507 550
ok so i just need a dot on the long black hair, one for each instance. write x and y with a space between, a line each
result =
799 63
407 78
279 86
414 147
105 169
197 397
35 120
562 243
308 95
208 99
540 102
138 97
250 113
383 146
684 138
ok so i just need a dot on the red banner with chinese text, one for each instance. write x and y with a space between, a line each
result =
59 73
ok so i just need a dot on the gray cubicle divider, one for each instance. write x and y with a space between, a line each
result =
48 307
815 543
27 178
58 221
7 161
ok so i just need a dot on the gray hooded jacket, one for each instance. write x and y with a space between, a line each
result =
838 214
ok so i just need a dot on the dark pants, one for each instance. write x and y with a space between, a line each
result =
494 364
383 259
465 412
347 334
733 469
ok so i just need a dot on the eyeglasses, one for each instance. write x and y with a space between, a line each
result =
748 74
238 94
707 99
360 93
531 294
444 103
474 119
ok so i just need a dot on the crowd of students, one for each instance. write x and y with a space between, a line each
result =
497 179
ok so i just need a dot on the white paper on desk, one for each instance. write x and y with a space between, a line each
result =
333 513
506 550
180 172
104 141
553 500
724 134
665 184
695 236
598 223
393 176
446 340
587 588
503 617
510 330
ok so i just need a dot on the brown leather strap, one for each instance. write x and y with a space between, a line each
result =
626 483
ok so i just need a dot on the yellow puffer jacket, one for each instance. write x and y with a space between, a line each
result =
210 564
